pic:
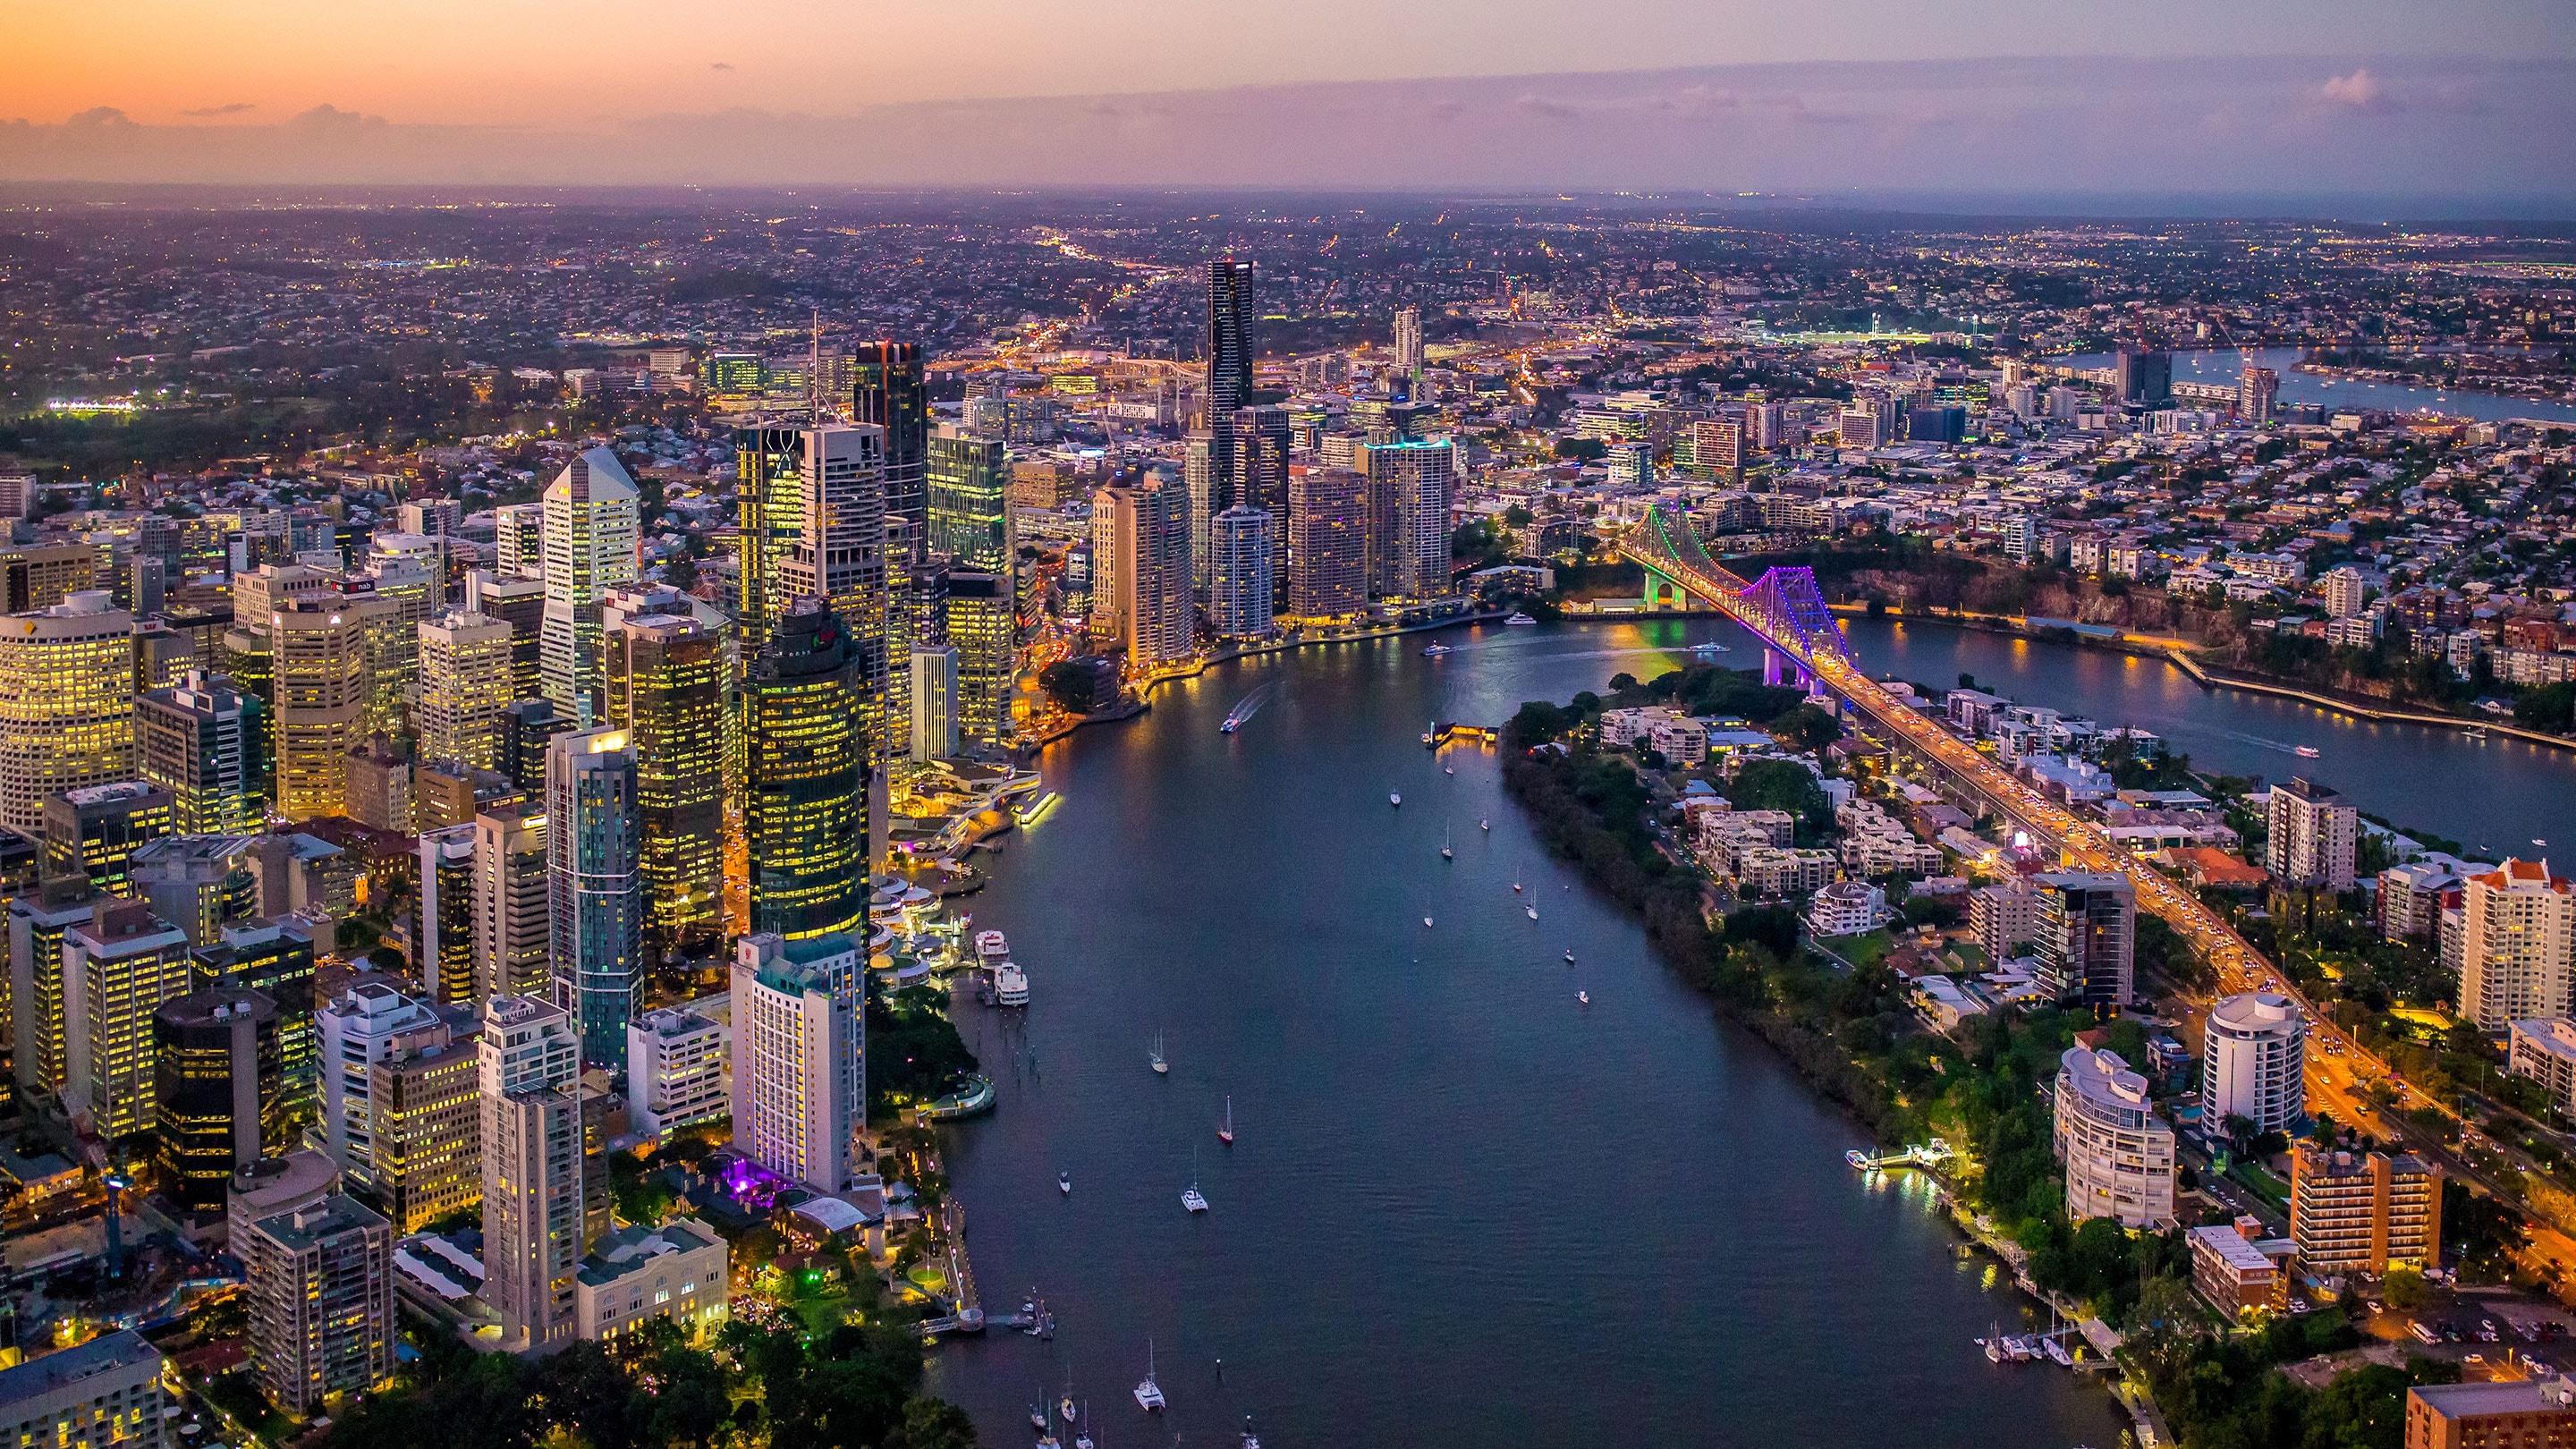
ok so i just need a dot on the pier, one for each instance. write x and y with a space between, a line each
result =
1926 1156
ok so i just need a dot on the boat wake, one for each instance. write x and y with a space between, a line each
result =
1250 705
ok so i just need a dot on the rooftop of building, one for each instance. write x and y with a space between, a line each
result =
2522 875
120 792
2518 1396
264 1187
631 1250
124 1349
2313 1162
2103 1077
299 1228
191 848
2233 1248
215 1004
2301 787
2555 1035
2253 1011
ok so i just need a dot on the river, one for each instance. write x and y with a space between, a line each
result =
1461 1208
2222 368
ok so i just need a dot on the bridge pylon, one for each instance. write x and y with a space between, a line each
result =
1663 592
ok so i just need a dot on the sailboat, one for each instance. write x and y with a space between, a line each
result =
1161 1067
1037 1411
1191 1197
1584 997
1392 798
1533 912
1082 1436
1516 887
1426 921
1225 1134
1444 844
1484 825
1149 1395
1064 1405
1064 1183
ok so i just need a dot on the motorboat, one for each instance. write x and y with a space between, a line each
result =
2306 752
1395 799
1584 997
1065 1407
1484 825
1426 922
1520 619
1516 887
1230 726
1444 846
1193 1199
1569 955
1149 1395
1064 1183
1010 985
1435 651
1533 912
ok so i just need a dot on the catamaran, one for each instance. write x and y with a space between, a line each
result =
1149 1395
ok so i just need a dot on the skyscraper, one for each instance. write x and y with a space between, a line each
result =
969 510
118 967
511 937
1408 343
199 740
2143 376
839 558
982 626
218 1093
529 1065
93 832
800 1072
933 715
521 604
1409 517
2518 946
2087 936
1261 476
805 777
66 704
1328 554
595 886
1229 348
1150 544
465 684
519 532
321 1289
318 655
768 474
443 915
590 543
1239 581
889 394
1209 496
665 686
2313 837
2258 390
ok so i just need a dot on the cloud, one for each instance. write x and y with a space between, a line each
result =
100 118
721 65
2360 90
330 120
234 109
1697 103
1539 105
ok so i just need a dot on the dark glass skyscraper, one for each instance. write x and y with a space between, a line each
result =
889 393
769 465
1229 348
806 777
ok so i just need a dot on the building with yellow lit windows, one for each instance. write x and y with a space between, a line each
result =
321 1288
805 778
680 1270
118 968
465 684
66 704
665 687
318 661
426 1100
103 1394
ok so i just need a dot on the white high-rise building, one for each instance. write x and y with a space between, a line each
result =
1408 342
676 1069
529 1062
2344 589
369 1023
2314 834
2517 946
1409 485
800 1072
2119 1154
1150 564
511 931
590 543
1239 573
464 687
2253 1056
934 703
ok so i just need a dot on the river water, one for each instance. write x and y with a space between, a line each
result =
1461 1209
2222 368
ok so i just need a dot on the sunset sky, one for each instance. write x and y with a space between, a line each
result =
642 90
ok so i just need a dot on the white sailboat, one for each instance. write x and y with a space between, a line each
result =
1149 1395
1225 1134
1161 1067
1444 844
1191 1197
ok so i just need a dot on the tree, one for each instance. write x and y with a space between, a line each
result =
935 1424
1808 727
681 573
2403 1286
1068 683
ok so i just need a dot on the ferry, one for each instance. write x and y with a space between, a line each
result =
1520 619
1010 985
2306 752
991 949
1037 810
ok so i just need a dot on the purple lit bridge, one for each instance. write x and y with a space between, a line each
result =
1782 608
